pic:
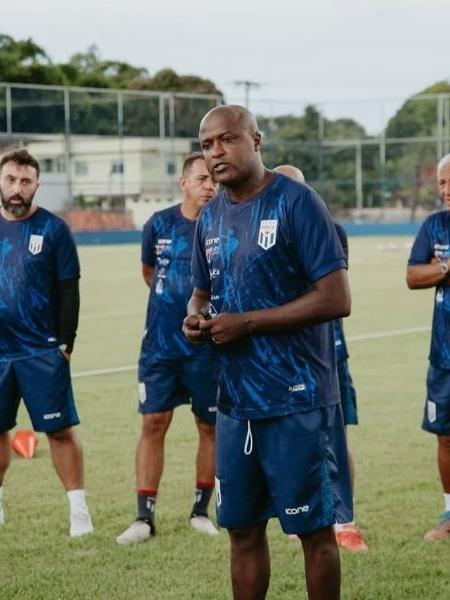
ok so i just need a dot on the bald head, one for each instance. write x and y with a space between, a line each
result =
234 114
291 172
231 144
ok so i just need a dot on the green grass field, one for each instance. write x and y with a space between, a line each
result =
398 495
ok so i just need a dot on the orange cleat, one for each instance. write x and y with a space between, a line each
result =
442 529
24 443
351 538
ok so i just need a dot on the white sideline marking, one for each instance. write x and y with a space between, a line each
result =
383 334
96 372
351 338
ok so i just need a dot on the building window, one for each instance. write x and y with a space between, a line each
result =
117 166
81 167
171 168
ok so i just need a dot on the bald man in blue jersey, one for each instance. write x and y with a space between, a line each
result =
428 267
269 267
348 535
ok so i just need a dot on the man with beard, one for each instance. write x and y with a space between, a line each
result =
39 306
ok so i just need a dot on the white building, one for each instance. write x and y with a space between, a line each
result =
130 173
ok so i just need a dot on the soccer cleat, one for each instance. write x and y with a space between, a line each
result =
137 532
351 538
442 529
80 524
203 525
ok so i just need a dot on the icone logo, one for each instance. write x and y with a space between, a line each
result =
298 510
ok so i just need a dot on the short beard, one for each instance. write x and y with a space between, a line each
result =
18 210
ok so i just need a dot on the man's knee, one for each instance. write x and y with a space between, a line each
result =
63 435
247 538
444 442
205 430
156 424
322 541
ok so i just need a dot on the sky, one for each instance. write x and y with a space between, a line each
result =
350 58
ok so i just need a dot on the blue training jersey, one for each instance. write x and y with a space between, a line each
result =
167 241
338 326
433 241
35 253
259 254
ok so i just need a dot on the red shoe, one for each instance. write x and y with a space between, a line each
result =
351 538
442 529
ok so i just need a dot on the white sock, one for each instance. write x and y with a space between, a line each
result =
339 526
446 501
77 501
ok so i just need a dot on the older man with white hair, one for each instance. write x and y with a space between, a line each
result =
428 266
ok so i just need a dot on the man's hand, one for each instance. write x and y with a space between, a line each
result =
226 327
191 329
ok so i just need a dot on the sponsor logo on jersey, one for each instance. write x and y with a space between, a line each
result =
267 236
441 246
298 510
211 252
164 241
209 241
35 245
297 387
214 273
439 296
50 416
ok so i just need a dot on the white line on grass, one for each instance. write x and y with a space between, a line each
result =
383 334
351 338
96 372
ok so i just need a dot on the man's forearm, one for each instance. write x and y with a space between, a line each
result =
426 276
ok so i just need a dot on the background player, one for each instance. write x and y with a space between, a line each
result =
39 306
348 535
267 257
428 266
171 371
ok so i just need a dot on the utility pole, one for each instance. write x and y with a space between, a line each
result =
247 86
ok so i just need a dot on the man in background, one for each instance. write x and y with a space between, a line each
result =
39 307
348 535
428 267
171 370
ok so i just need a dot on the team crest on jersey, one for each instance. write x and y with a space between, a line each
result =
267 233
35 245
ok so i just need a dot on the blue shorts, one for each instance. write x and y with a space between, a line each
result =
293 467
43 381
166 384
348 394
436 416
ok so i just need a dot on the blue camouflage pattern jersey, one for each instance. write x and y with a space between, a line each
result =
433 241
259 254
35 253
167 241
338 327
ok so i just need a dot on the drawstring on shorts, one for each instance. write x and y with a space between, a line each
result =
248 446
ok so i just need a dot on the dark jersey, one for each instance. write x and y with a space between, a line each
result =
338 326
35 254
433 241
259 254
167 246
